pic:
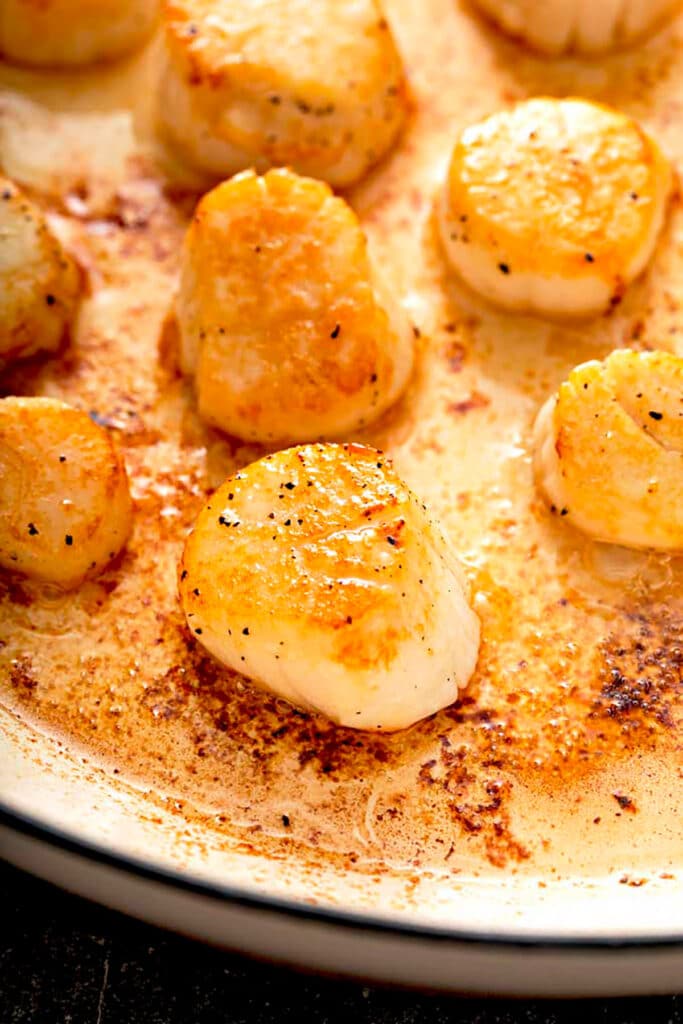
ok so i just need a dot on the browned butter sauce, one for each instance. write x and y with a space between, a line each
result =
564 754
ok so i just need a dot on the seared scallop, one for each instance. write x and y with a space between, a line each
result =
579 26
316 572
608 449
258 83
39 282
553 207
65 508
289 330
68 33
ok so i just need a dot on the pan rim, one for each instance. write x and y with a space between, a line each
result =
69 842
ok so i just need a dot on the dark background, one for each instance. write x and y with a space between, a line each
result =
65 961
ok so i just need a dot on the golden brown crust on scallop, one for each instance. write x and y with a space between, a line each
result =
609 449
280 316
69 33
318 573
65 508
555 206
319 87
39 282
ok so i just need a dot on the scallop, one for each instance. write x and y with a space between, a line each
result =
579 26
554 207
65 507
69 33
317 573
290 331
258 83
609 450
39 282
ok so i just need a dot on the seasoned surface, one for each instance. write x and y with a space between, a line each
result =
554 207
282 317
333 588
318 87
39 283
609 449
564 753
65 508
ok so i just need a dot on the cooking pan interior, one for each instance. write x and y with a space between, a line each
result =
547 801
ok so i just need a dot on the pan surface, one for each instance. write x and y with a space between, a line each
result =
528 839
